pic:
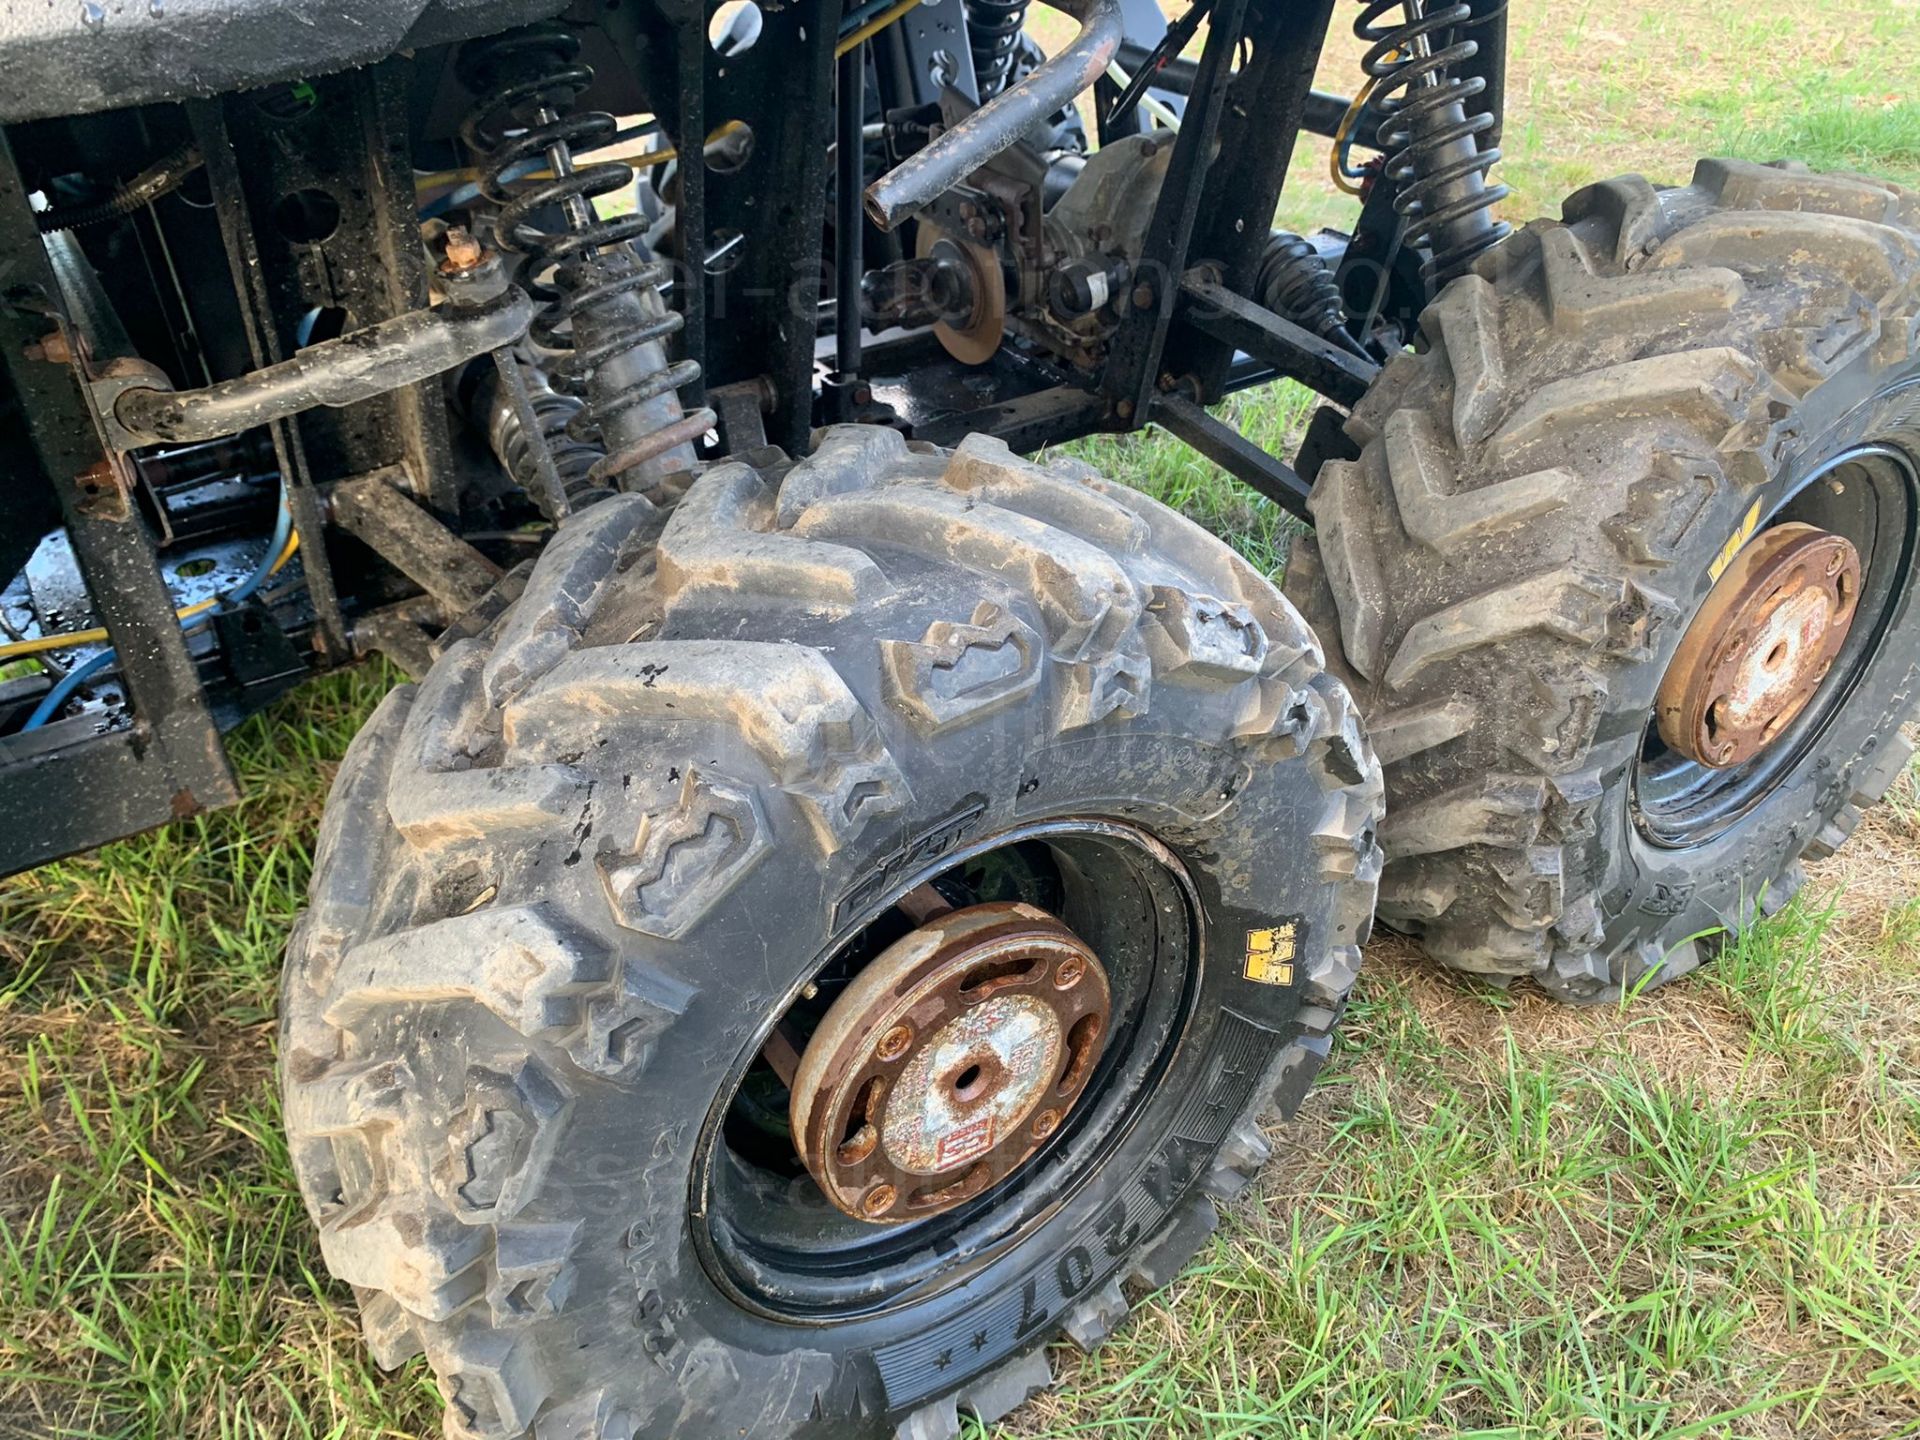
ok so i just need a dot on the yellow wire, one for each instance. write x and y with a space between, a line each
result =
1347 122
41 643
873 27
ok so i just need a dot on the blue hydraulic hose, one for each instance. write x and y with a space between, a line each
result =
52 702
282 529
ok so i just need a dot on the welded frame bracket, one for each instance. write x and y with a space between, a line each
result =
379 509
1133 361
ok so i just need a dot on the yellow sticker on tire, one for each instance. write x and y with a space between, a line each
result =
1734 542
1271 952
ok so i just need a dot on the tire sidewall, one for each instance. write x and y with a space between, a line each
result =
1666 897
726 1367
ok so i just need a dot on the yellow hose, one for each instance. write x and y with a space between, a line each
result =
1347 122
42 643
873 27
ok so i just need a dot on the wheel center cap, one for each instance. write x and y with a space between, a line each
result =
1761 645
948 1061
976 1080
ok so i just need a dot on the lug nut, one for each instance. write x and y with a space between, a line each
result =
894 1043
1068 973
879 1200
1045 1123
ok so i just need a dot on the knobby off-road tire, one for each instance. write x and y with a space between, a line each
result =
565 885
1607 409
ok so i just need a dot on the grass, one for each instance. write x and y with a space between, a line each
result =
1696 1216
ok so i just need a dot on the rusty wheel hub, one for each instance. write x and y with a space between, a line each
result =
948 1061
1757 651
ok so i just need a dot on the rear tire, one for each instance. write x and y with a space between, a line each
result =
1610 407
565 885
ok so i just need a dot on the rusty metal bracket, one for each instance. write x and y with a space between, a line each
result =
402 632
82 786
1292 350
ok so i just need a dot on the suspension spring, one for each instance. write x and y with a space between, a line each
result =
993 35
601 305
1432 144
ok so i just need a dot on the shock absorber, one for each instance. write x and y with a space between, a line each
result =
601 303
993 35
1432 144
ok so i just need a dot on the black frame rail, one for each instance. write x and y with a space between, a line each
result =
65 787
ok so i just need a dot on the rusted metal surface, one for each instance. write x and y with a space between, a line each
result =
403 632
52 348
460 251
1761 645
974 339
948 1061
922 904
923 177
676 433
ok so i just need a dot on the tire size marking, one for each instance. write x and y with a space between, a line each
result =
929 844
932 1362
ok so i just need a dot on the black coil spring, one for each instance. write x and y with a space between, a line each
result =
1415 94
1294 281
528 83
993 35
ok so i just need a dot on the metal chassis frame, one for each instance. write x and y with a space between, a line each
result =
1188 339
70 788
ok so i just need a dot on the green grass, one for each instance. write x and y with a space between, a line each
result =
1610 1226
1174 475
156 1274
1695 1216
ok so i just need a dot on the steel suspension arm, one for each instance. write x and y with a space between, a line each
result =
358 366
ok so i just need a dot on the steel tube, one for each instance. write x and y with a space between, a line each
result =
923 177
848 259
358 366
1322 115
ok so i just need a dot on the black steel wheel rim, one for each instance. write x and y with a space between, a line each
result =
771 1240
1869 493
